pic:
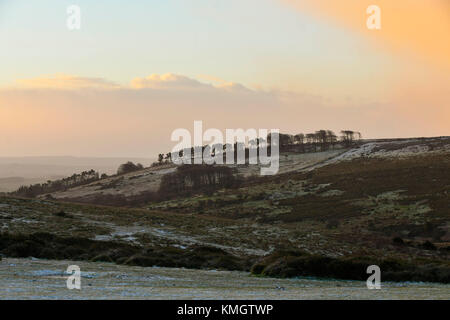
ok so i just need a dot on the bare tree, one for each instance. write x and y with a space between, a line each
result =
348 137
331 138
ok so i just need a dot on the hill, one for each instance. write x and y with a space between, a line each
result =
382 202
23 171
143 184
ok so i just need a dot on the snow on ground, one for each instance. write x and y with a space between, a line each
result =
46 279
149 179
392 149
128 184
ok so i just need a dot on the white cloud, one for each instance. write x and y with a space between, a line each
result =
64 81
166 81
48 117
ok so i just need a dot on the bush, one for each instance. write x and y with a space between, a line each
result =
48 246
129 167
398 241
286 264
62 214
188 179
427 245
332 224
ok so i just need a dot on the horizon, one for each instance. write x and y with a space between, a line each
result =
153 158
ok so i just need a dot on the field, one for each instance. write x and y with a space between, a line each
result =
100 280
354 205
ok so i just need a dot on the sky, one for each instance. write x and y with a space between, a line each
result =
137 70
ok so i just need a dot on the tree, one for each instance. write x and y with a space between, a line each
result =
197 178
349 136
331 138
129 167
77 179
310 138
299 138
285 139
321 137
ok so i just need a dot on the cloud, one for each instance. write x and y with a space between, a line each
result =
170 81
46 116
63 81
417 27
166 81
138 121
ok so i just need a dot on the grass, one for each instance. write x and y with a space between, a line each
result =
340 211
291 263
48 246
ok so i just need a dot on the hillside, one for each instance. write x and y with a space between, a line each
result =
381 200
24 171
147 181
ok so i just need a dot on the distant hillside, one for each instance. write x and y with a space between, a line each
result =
115 190
18 171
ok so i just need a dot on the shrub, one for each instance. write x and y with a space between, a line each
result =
332 224
398 241
294 264
188 179
427 245
129 167
46 245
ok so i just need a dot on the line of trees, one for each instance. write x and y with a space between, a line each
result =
320 140
74 180
195 178
202 176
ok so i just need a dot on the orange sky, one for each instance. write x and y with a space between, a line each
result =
417 27
331 73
